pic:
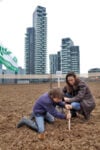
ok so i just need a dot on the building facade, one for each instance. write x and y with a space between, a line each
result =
55 62
40 27
59 60
53 59
29 51
94 70
75 59
70 57
66 55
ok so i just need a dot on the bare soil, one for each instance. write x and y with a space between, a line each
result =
16 101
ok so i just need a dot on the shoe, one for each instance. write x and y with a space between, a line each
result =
41 136
21 123
79 115
32 116
87 118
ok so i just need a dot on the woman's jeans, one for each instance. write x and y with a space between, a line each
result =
75 105
38 124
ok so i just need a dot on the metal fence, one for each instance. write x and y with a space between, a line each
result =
48 78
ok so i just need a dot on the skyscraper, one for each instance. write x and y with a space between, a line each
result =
59 60
29 51
75 59
40 43
53 59
55 62
70 57
66 55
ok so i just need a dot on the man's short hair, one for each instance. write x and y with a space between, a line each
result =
56 93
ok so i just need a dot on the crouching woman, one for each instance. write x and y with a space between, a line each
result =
44 109
78 96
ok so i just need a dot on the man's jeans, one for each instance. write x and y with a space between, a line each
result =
40 121
38 124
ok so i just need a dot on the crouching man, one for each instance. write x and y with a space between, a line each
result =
44 110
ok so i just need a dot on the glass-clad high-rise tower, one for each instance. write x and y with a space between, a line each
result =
29 51
40 43
70 57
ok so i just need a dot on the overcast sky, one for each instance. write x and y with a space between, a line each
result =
77 19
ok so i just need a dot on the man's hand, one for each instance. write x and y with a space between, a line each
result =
66 99
68 106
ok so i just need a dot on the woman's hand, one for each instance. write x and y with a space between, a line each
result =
66 99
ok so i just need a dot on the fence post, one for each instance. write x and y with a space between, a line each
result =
50 81
58 82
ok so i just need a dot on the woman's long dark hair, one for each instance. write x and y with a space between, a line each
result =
69 88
